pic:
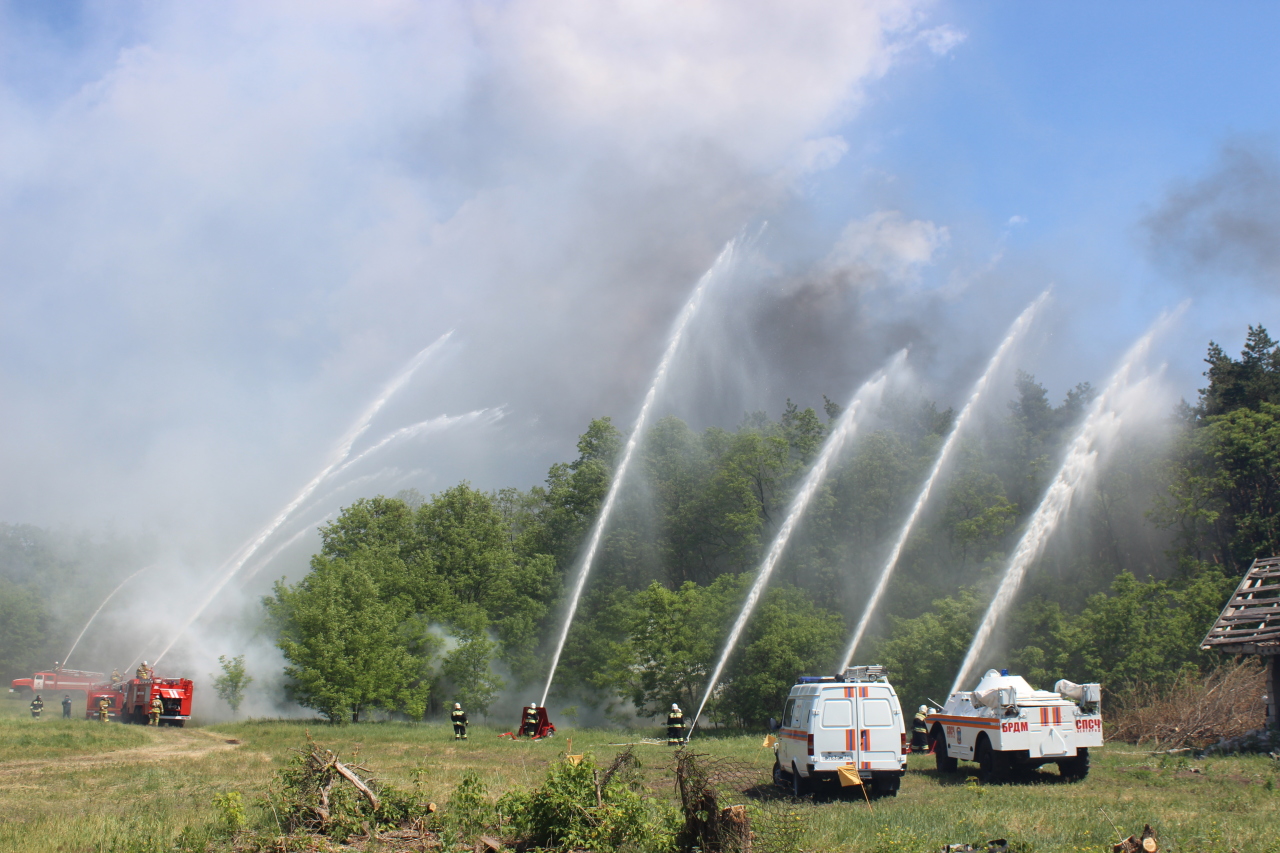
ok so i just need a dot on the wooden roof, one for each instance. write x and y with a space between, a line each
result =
1250 623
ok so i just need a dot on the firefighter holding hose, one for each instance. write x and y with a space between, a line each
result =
116 677
104 709
144 672
157 708
37 705
675 726
530 727
459 718
920 731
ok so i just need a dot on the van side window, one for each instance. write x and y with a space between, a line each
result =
787 711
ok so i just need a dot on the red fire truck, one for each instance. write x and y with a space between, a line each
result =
131 700
58 679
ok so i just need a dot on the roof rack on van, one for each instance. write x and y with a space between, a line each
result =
865 673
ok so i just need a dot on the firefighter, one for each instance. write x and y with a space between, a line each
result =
530 727
66 706
459 718
104 709
116 677
37 705
157 708
144 672
920 731
675 726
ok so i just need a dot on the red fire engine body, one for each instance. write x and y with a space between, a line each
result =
58 679
131 700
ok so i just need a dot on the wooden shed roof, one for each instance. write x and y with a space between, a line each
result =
1250 623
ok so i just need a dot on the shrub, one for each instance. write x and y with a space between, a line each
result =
581 805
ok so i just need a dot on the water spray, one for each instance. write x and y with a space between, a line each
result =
1078 465
844 429
1016 331
67 657
722 263
343 450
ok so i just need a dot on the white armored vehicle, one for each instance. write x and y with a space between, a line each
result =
1005 724
851 722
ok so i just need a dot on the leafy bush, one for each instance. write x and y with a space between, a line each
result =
584 806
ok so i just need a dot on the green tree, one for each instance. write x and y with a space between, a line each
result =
924 654
344 638
230 686
23 617
468 668
786 637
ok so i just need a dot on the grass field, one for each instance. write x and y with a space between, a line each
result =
82 786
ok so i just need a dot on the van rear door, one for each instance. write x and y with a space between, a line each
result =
879 732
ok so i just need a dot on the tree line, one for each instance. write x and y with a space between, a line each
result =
413 602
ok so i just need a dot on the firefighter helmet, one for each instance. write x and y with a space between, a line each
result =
457 706
924 709
675 707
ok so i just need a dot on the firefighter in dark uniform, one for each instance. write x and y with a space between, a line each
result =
530 727
157 708
66 706
37 705
104 709
459 718
675 726
920 731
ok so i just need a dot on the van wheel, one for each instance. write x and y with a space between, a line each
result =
944 762
886 786
1075 769
779 775
799 785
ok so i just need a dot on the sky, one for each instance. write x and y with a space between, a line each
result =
226 228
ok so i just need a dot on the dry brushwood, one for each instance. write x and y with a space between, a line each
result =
1145 843
313 781
732 807
1193 710
707 825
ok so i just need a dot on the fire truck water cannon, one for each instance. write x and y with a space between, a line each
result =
1004 723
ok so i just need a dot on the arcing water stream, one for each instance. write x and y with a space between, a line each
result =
1100 425
844 429
1016 331
343 450
67 657
722 263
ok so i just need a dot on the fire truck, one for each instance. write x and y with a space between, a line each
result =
57 679
850 723
131 700
1005 724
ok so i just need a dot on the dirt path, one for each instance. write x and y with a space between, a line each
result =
166 744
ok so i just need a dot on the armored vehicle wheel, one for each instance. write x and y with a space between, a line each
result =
1076 768
799 785
992 765
944 762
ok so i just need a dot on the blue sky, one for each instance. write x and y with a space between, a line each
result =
223 228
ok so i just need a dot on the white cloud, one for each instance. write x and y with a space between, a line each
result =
889 245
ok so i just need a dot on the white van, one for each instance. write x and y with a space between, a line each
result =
852 721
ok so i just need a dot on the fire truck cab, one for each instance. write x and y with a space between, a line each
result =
851 722
1004 723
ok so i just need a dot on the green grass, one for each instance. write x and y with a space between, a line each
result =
80 786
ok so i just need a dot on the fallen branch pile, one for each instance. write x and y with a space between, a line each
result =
1194 710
